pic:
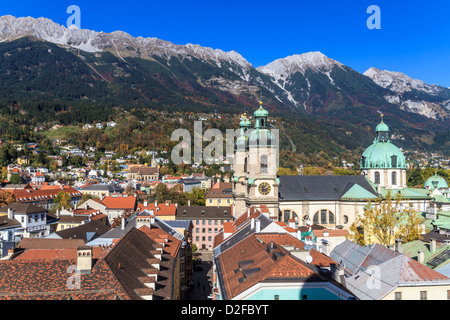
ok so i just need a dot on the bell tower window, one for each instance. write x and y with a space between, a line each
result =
264 164
394 178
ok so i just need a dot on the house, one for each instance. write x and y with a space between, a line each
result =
142 173
101 189
127 270
116 205
379 273
164 211
256 263
207 223
221 194
37 178
24 220
190 184
87 231
44 196
175 247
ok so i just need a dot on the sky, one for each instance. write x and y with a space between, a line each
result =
413 38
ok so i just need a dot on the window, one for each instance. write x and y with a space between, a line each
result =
377 177
264 164
398 296
215 230
203 230
209 238
345 219
209 230
203 222
197 230
228 201
215 222
276 297
287 215
324 217
210 201
423 295
197 238
203 238
219 201
394 161
394 178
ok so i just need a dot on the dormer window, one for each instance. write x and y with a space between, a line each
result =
394 161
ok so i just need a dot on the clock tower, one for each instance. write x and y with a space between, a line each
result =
255 181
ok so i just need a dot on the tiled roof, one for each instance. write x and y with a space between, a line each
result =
86 232
332 233
285 239
204 212
26 208
47 243
250 261
112 202
25 195
220 190
129 261
160 210
49 279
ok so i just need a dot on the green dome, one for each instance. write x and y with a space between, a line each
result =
383 155
382 127
441 182
261 112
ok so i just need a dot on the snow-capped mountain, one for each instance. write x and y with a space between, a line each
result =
413 95
119 43
151 70
399 82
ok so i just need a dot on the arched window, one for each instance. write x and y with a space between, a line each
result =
245 165
263 163
345 219
324 217
377 177
394 178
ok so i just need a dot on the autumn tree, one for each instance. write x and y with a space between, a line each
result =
385 220
6 197
62 201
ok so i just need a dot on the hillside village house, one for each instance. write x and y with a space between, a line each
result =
221 194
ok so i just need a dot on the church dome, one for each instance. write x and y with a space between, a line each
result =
382 154
436 179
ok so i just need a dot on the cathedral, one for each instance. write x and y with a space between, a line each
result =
330 201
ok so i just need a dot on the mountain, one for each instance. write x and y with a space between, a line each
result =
413 95
47 67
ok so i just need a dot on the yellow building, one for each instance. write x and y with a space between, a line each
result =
220 195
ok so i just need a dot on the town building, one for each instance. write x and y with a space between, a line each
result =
221 194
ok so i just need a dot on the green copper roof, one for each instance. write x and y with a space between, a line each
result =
358 192
405 193
261 112
382 127
383 155
441 182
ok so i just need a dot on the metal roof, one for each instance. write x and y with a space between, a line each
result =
295 188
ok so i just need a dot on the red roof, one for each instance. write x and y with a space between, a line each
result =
46 192
160 210
120 202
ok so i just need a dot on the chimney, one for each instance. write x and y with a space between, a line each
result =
398 245
257 226
337 272
123 224
145 203
299 235
420 257
325 248
10 213
86 206
189 203
432 245
167 203
156 203
84 259
252 223
325 233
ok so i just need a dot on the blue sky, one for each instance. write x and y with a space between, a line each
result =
414 37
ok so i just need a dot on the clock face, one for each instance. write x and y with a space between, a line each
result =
264 188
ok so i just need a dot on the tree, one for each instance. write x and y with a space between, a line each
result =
62 201
386 220
15 179
6 197
196 196
286 172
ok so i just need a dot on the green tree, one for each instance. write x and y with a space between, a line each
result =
15 179
196 196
